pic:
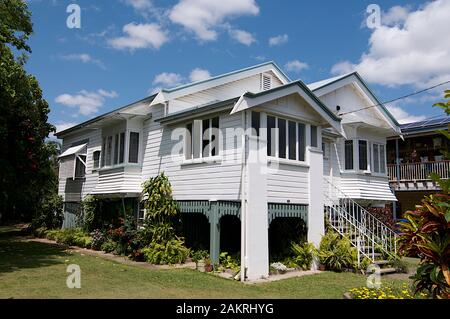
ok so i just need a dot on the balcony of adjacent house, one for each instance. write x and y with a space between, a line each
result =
415 159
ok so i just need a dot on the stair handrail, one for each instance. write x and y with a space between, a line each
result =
390 234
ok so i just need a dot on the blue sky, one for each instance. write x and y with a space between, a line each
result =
126 49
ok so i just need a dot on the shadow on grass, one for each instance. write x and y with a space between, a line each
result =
16 254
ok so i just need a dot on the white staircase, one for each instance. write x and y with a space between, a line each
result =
367 233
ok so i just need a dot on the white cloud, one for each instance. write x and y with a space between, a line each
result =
140 36
295 66
414 51
199 75
402 116
87 102
242 36
395 15
203 17
167 79
140 4
83 57
61 126
278 40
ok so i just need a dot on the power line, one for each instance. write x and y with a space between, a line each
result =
396 99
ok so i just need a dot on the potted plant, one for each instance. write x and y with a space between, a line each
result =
208 265
199 258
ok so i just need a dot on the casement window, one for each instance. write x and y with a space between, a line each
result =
301 138
96 159
348 154
256 122
379 158
108 153
113 150
202 138
80 166
362 149
314 139
285 139
281 138
266 82
133 155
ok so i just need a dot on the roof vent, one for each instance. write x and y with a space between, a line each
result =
266 82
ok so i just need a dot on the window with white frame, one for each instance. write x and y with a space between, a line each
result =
96 159
362 152
133 154
202 138
285 138
80 166
113 150
314 138
379 158
348 150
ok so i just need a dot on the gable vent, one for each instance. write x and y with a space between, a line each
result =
266 82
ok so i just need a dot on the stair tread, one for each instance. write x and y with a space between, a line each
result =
381 262
387 270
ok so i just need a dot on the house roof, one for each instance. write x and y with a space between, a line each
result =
428 125
272 63
198 110
304 88
101 117
73 150
324 83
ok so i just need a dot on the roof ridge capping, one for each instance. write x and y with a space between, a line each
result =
183 86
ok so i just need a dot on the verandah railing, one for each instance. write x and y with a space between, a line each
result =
418 171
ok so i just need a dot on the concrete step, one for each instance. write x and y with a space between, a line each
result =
381 262
384 271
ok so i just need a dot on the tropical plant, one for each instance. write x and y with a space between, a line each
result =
303 254
160 220
425 232
385 292
336 252
228 261
170 252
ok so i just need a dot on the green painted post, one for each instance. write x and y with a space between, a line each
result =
214 239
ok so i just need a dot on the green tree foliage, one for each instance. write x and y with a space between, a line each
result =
26 172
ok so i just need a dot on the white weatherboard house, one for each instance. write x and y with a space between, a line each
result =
250 144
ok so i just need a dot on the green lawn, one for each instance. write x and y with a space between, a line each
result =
36 270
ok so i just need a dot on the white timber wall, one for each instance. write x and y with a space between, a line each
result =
93 145
201 181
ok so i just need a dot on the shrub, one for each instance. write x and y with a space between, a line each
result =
51 234
336 252
170 252
50 214
89 207
228 261
98 238
426 233
109 246
303 255
40 232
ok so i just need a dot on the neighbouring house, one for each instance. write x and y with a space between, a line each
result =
413 158
244 150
